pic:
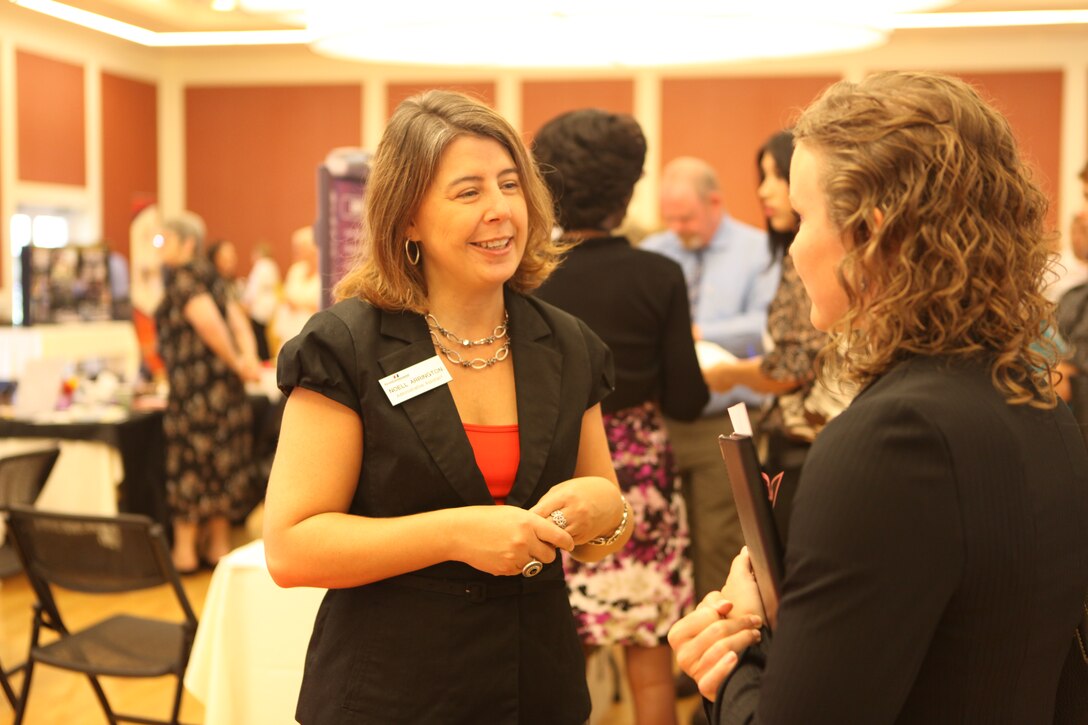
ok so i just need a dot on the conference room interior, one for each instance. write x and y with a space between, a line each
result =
94 128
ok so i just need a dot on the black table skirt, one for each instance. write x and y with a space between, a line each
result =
140 440
141 443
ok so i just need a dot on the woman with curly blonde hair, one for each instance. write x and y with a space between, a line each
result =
937 564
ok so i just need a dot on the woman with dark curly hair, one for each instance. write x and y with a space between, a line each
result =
637 302
937 562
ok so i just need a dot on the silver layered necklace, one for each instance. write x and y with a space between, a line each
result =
501 332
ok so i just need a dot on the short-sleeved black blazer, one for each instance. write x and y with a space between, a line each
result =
447 644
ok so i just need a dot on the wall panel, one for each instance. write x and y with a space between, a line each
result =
725 120
130 164
1032 101
397 92
542 100
252 154
49 95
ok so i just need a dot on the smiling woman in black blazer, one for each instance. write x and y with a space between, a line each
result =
937 559
431 393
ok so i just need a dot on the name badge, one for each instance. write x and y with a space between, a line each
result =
415 380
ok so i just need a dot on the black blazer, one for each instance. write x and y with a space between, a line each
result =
637 301
936 565
447 644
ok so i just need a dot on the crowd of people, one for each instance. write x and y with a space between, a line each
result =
499 451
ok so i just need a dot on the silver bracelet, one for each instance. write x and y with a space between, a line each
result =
602 541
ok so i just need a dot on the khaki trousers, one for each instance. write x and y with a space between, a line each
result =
712 516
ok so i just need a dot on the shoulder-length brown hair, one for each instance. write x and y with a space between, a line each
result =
404 165
957 264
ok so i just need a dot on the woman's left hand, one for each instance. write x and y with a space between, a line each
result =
708 642
590 505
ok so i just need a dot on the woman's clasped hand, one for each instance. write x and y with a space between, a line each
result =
709 641
501 539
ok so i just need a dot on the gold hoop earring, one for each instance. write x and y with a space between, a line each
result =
412 259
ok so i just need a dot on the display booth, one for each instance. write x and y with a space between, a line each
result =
341 187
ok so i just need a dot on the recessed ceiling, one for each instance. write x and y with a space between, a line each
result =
198 15
182 15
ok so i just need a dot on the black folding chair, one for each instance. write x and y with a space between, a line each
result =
22 478
101 555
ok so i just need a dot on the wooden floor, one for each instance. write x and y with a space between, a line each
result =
58 697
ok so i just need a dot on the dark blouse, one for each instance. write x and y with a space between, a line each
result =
637 302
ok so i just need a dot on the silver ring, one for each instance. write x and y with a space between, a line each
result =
559 519
531 569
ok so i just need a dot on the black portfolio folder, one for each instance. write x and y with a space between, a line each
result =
756 513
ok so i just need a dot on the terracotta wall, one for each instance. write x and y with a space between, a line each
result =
397 92
1032 101
3 232
725 120
543 100
130 164
252 154
49 94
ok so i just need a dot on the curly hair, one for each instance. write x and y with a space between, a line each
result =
590 160
404 165
947 249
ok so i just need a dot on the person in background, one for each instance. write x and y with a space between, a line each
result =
1072 316
937 562
301 287
261 297
731 279
120 288
800 405
146 287
1079 229
637 302
442 439
208 349
224 258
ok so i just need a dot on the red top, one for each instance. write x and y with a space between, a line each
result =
497 455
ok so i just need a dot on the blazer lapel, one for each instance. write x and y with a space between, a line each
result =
537 373
433 414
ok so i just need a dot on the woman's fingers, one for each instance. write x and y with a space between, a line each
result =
549 533
706 644
689 626
717 602
712 643
720 659
710 682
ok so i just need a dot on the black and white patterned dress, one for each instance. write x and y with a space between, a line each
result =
207 423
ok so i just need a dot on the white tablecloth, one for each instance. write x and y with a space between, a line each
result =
112 342
246 665
84 479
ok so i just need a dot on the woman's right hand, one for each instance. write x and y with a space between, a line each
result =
501 540
248 369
